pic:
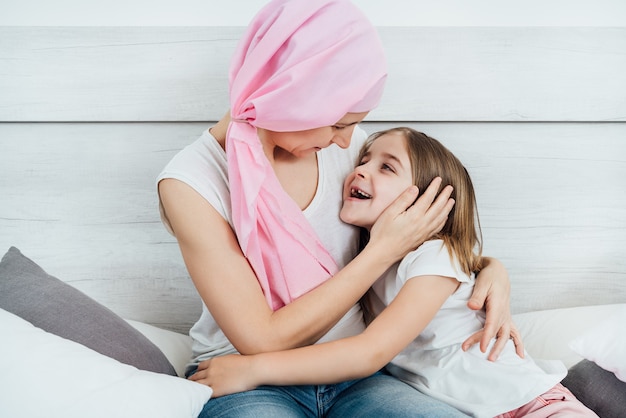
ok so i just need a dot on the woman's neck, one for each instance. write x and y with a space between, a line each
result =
275 155
297 175
219 130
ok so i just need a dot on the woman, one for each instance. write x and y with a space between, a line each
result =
254 206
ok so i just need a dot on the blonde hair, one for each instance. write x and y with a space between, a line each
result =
430 159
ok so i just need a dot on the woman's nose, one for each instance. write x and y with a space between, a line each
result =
343 139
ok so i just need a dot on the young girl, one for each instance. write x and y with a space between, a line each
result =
420 305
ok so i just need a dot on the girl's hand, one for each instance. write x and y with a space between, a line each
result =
492 290
225 374
407 223
507 331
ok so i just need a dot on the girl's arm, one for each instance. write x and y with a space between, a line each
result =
492 291
230 290
350 358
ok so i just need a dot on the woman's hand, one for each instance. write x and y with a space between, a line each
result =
226 374
492 290
407 223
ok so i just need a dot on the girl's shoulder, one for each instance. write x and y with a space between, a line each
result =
432 258
430 248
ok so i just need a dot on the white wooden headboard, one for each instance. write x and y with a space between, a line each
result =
89 116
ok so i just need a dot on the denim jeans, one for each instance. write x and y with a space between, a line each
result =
379 395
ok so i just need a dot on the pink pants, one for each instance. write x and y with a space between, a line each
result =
557 402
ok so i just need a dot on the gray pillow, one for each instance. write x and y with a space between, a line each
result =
597 388
27 291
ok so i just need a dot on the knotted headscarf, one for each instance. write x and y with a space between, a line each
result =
301 64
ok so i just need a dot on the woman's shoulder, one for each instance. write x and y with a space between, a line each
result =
202 166
199 155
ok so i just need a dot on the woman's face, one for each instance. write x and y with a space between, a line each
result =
303 143
381 176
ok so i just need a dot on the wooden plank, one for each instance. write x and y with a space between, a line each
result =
505 74
80 200
435 73
114 74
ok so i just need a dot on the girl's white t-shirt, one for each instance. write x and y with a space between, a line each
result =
434 362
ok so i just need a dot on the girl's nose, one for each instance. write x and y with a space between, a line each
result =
360 171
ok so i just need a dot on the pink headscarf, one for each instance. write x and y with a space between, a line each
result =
301 64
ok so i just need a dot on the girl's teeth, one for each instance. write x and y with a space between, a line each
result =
360 194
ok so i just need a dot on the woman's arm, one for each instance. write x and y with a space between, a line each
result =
492 291
350 358
230 290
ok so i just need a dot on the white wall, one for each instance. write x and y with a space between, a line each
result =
382 13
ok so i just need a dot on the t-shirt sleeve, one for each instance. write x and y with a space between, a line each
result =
431 259
202 166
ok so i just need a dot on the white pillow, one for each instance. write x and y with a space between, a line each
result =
547 334
605 344
42 374
175 346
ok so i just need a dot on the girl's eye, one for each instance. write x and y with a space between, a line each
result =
388 167
338 127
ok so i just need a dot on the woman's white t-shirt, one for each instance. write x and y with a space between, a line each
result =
202 165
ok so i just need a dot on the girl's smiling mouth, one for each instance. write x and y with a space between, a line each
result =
359 194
